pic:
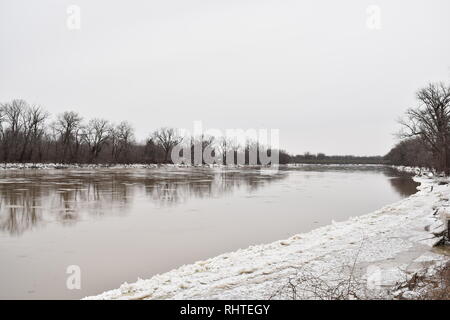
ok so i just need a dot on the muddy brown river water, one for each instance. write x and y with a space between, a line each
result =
121 224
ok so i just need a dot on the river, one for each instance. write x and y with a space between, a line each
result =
120 224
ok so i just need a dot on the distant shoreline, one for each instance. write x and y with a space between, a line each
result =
41 166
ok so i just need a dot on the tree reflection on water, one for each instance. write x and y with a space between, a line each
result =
29 198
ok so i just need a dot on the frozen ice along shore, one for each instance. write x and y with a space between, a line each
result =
42 166
379 249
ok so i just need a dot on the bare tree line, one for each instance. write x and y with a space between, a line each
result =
425 131
321 158
29 134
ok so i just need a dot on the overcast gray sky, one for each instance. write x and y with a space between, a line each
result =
312 69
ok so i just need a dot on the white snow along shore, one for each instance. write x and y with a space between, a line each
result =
384 247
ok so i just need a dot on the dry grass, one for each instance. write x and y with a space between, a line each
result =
346 283
426 286
340 283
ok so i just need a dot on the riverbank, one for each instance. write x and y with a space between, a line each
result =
43 166
371 254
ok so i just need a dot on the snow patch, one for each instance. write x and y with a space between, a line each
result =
385 245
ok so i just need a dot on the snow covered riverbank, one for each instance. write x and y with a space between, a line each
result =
42 166
379 249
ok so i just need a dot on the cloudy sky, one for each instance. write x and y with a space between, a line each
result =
319 71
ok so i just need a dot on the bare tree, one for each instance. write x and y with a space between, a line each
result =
95 134
431 122
12 115
33 129
3 130
224 145
121 138
68 126
411 152
167 138
200 143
